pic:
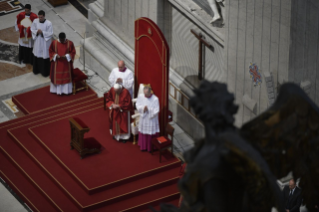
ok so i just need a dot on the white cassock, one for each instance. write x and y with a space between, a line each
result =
148 122
41 46
127 76
29 44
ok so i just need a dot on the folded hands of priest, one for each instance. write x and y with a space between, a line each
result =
145 109
119 80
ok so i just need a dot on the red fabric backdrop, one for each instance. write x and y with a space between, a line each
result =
152 63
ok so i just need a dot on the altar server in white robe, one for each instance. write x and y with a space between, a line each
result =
42 32
147 105
122 75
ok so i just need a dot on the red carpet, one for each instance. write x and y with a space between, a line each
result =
37 100
45 184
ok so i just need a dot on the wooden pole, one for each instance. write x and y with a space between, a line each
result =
200 59
202 41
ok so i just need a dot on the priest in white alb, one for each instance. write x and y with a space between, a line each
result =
42 32
147 105
23 25
122 75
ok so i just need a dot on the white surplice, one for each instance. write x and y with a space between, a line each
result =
28 44
42 44
148 123
127 76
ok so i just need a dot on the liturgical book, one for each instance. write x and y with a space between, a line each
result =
161 139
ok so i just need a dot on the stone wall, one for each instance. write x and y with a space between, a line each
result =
120 15
304 57
257 31
184 51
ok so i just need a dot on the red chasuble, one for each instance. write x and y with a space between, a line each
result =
61 69
20 17
119 120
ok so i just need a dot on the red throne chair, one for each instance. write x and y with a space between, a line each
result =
152 66
83 145
169 133
79 81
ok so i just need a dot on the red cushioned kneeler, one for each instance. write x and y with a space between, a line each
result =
80 122
91 143
83 145
79 81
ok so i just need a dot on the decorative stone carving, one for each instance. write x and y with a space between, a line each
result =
215 8
213 5
241 166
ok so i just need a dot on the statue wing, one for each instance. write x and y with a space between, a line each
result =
287 136
261 189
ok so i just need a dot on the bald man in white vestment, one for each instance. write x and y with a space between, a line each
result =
122 75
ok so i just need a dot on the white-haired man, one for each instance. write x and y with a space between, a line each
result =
119 102
123 76
147 105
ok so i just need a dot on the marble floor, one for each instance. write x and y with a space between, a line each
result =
16 78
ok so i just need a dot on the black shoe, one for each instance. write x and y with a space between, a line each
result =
123 141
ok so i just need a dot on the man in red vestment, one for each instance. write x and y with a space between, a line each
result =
62 54
119 101
25 35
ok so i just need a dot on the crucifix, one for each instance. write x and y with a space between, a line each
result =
202 42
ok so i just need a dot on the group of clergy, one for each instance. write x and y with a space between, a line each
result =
54 58
119 102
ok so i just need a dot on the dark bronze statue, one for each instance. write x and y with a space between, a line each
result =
237 169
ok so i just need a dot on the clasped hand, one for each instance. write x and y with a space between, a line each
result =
39 31
115 106
119 80
145 109
58 56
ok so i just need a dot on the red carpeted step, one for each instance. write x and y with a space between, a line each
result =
143 199
48 111
110 194
22 185
119 194
173 199
61 176
45 100
7 143
124 162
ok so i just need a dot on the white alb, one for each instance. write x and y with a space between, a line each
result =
127 76
148 123
42 44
